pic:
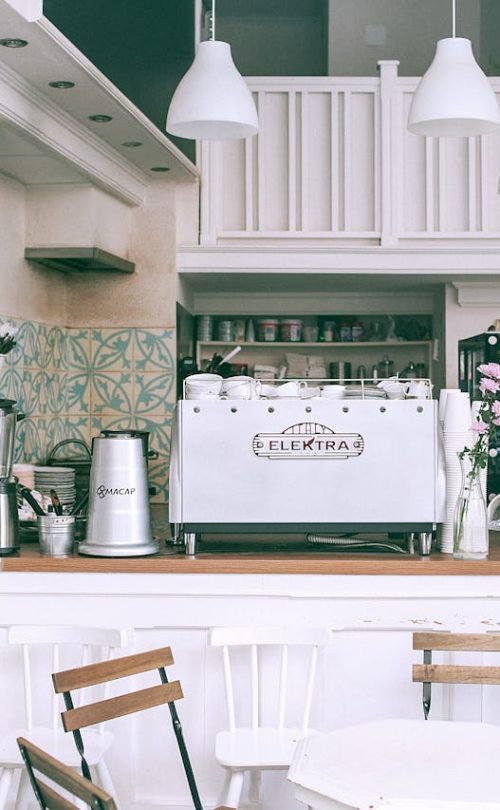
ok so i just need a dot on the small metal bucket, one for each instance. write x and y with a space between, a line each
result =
56 535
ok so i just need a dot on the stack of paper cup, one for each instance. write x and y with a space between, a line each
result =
457 434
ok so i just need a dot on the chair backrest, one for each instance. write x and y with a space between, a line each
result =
281 638
84 644
76 718
428 673
39 762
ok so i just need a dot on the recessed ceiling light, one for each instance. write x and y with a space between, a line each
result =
61 85
13 42
100 119
132 144
160 169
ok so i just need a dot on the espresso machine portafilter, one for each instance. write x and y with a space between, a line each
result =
9 521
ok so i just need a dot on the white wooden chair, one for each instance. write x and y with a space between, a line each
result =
256 746
409 764
80 645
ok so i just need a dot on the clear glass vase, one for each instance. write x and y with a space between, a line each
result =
470 530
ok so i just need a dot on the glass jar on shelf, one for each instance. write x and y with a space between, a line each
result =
385 368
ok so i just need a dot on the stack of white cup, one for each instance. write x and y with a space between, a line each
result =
456 418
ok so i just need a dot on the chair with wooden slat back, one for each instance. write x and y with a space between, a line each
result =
429 673
38 762
74 719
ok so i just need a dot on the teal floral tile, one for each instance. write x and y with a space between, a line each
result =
31 440
112 393
28 350
158 428
54 348
112 349
15 386
77 392
79 428
158 478
153 392
32 399
71 383
78 350
57 427
154 349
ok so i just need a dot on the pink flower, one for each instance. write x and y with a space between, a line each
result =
496 421
495 408
490 370
479 426
489 385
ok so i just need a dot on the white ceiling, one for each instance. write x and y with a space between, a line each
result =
49 56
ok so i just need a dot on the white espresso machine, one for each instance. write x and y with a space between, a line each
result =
317 465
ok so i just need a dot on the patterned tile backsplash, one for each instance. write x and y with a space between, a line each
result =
71 383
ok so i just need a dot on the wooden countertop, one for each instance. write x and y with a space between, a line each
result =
170 561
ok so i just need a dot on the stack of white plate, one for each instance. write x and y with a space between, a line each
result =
457 420
62 479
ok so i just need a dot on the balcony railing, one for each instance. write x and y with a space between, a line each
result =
334 160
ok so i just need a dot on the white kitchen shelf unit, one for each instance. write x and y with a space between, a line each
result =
365 353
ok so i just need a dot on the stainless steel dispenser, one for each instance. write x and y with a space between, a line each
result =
119 521
9 521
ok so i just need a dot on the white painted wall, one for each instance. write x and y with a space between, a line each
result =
77 215
408 31
26 291
463 322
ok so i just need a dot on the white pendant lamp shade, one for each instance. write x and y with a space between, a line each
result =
212 100
454 97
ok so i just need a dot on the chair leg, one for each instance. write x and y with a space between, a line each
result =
234 790
254 789
104 779
24 792
5 783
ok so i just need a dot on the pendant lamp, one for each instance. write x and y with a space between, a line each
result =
212 100
454 97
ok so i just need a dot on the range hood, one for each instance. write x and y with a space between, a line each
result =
79 259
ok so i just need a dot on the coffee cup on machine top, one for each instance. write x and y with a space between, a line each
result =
203 386
239 387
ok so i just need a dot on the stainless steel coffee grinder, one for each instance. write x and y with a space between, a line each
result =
119 520
9 521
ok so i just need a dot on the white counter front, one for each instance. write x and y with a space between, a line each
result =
364 675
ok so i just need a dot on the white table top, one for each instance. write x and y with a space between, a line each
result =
373 764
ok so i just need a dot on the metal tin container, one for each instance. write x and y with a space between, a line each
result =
56 535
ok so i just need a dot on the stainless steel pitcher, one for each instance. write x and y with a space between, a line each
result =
119 520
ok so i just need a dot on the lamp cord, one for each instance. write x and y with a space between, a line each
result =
453 17
213 19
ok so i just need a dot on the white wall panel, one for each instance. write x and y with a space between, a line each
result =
274 157
362 159
234 208
333 159
318 157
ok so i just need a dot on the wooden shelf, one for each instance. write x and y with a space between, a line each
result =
319 345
